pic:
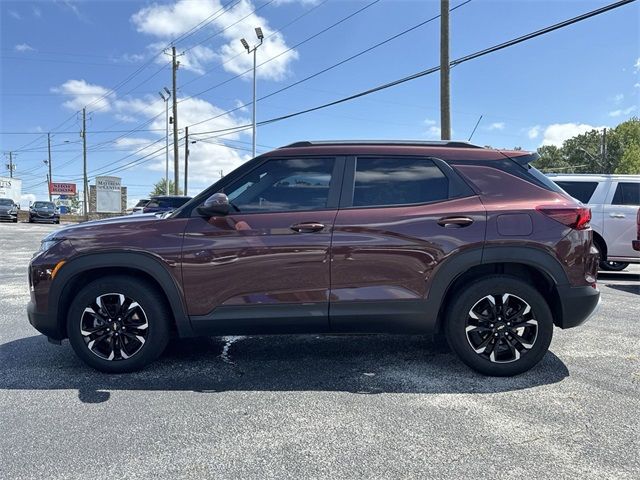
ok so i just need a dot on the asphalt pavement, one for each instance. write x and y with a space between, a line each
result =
318 406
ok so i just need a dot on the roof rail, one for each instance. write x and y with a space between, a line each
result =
417 143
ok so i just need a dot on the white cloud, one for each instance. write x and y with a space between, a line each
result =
636 66
557 133
81 94
24 47
623 111
36 12
534 132
496 126
433 130
15 14
131 57
125 118
205 159
167 21
618 98
636 85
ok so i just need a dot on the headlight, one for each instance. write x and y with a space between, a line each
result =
47 244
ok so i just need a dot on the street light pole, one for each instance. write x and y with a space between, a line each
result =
166 152
253 50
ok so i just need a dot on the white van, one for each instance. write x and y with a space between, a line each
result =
614 202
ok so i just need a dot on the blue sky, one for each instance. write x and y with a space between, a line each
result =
57 56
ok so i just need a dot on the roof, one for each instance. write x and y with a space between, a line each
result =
585 177
417 143
446 150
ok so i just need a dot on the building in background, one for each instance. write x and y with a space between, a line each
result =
11 188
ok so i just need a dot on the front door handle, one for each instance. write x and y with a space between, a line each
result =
455 222
617 215
307 227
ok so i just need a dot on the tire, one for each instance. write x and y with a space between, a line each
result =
608 266
473 340
93 320
30 220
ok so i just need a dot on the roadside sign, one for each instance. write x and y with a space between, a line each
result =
57 188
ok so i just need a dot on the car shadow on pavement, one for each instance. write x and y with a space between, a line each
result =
365 364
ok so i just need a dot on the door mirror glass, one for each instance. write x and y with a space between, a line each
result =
216 205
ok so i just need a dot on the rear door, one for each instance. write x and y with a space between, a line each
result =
400 217
620 219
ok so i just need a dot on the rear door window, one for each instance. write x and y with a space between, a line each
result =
627 193
582 191
384 181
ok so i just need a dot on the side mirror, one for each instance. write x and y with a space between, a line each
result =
216 205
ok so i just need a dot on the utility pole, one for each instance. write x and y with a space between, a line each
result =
605 164
49 177
445 93
166 98
186 158
84 163
11 166
175 64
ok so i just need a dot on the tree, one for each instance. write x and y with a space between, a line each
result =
630 161
159 188
584 153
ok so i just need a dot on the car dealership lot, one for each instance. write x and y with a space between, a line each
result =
329 406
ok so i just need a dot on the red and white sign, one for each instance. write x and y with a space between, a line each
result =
56 188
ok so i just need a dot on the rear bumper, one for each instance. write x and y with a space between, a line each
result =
43 322
636 245
578 304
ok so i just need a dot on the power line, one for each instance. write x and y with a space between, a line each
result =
280 29
453 63
302 42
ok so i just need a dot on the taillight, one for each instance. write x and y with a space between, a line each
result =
638 224
577 218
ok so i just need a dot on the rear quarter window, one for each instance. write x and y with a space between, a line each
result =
582 191
627 193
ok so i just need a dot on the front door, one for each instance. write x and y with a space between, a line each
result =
264 267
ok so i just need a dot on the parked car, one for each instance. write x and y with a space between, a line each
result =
138 207
333 237
614 200
8 210
44 212
164 203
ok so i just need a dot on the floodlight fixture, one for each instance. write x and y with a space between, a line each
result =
245 44
259 33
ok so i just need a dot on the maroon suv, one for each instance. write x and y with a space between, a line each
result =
326 237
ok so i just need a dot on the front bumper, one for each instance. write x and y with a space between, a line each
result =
8 216
43 322
578 304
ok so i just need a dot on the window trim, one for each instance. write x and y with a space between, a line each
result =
333 197
458 188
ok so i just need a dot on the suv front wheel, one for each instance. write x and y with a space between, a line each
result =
499 326
118 324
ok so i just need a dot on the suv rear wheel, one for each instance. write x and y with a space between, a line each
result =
499 326
118 324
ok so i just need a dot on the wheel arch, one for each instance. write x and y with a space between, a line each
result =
532 264
78 272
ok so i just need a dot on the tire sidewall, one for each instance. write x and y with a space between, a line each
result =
498 285
149 300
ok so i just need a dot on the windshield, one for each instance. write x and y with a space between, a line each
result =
142 203
6 202
43 205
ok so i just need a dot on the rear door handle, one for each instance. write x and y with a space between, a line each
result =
455 222
307 227
617 215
